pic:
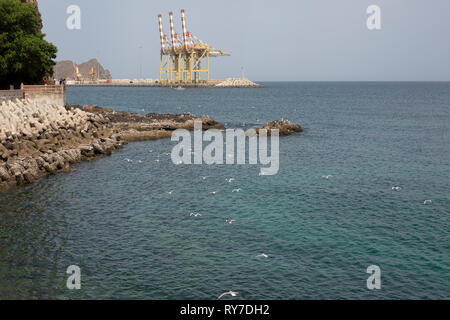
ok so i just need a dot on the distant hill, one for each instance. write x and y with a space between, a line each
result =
67 69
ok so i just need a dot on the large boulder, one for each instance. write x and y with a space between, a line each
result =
285 128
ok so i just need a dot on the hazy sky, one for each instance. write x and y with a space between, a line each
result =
306 40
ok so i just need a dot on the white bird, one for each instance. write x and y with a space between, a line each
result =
140 161
230 180
229 293
230 221
427 201
214 192
237 190
157 160
327 177
204 178
263 255
193 214
128 160
396 188
170 192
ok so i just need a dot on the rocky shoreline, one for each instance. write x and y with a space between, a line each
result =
38 140
44 139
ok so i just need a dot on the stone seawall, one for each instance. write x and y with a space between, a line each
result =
45 94
6 95
47 98
42 139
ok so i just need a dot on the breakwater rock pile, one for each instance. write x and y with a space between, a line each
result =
44 139
237 83
138 127
285 128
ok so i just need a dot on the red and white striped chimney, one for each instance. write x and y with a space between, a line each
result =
183 23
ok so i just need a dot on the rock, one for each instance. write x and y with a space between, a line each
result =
4 174
285 127
237 83
97 148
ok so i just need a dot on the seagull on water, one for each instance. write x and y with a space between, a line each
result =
229 293
230 180
193 214
397 188
128 160
427 201
230 221
204 178
170 192
263 255
237 190
214 192
327 176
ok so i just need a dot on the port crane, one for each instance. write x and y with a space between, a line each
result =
93 74
184 59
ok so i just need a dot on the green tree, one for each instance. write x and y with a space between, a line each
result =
24 54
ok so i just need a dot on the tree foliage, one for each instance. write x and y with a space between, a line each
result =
24 54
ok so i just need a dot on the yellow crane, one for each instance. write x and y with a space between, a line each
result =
77 73
181 59
93 74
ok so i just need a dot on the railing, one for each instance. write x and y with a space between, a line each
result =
42 88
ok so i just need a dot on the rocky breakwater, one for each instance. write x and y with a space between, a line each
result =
237 83
138 127
43 139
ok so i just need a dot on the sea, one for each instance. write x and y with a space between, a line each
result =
350 193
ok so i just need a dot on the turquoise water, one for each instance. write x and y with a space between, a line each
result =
133 240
